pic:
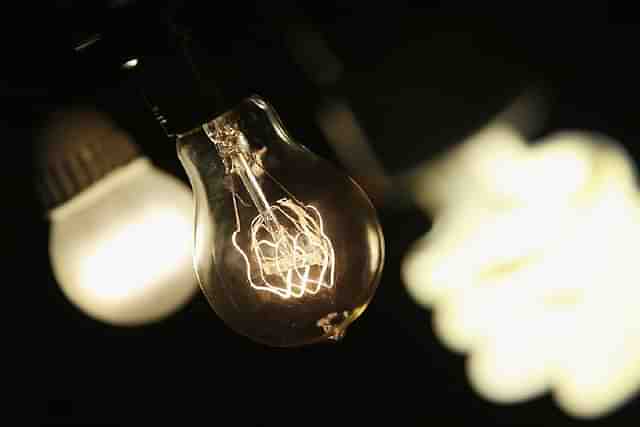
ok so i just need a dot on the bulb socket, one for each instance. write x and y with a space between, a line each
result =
183 81
180 81
77 148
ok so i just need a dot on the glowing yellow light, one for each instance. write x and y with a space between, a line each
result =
292 254
534 278
142 254
290 257
122 249
132 63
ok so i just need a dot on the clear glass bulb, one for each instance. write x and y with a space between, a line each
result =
288 250
121 250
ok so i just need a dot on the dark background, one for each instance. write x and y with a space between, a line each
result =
418 79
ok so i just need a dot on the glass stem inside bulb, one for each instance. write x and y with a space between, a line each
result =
248 178
288 249
292 256
233 148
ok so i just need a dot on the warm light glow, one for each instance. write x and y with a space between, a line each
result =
122 249
142 254
299 255
132 63
530 267
288 249
289 253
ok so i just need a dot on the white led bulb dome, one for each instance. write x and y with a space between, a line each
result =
121 230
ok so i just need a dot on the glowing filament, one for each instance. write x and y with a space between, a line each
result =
293 254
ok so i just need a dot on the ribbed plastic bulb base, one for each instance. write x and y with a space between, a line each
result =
77 148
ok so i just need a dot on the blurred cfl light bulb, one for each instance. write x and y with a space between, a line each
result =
288 250
121 229
537 286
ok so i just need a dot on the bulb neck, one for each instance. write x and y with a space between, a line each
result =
233 149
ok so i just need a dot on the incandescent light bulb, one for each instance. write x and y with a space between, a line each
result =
288 250
120 240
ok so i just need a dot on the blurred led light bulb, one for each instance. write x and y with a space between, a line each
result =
288 250
538 286
121 230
